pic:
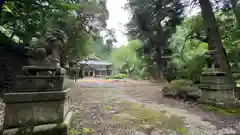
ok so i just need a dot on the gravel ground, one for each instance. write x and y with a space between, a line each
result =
126 107
96 95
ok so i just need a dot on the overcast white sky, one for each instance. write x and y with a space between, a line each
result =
118 17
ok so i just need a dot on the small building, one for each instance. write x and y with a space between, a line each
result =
95 68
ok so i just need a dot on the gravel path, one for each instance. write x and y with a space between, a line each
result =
134 105
126 107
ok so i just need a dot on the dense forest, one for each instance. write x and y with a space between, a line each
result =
164 42
177 65
26 21
173 45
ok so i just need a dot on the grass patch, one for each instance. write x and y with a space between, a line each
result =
83 131
108 108
118 76
143 115
178 83
227 111
180 86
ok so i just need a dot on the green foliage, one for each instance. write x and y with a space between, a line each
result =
81 20
188 46
125 59
178 83
230 33
187 55
188 41
224 111
103 49
6 9
153 22
145 118
83 131
182 88
118 76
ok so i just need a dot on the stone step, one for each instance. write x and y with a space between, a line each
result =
15 97
35 83
216 87
216 81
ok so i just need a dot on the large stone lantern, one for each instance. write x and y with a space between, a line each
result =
39 103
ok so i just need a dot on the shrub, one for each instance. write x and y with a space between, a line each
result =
118 76
182 87
179 82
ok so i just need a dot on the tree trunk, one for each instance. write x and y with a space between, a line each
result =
235 7
214 39
161 63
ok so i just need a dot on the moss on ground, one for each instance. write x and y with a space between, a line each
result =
83 131
143 115
184 89
108 108
224 111
178 83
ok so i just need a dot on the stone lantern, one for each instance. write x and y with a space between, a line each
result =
38 100
215 85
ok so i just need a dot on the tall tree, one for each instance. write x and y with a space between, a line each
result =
81 20
214 39
236 9
153 22
110 39
233 5
125 59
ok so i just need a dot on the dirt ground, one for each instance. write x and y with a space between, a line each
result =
126 107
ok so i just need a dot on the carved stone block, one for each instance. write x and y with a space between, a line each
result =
34 70
217 96
215 86
38 83
214 80
39 110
